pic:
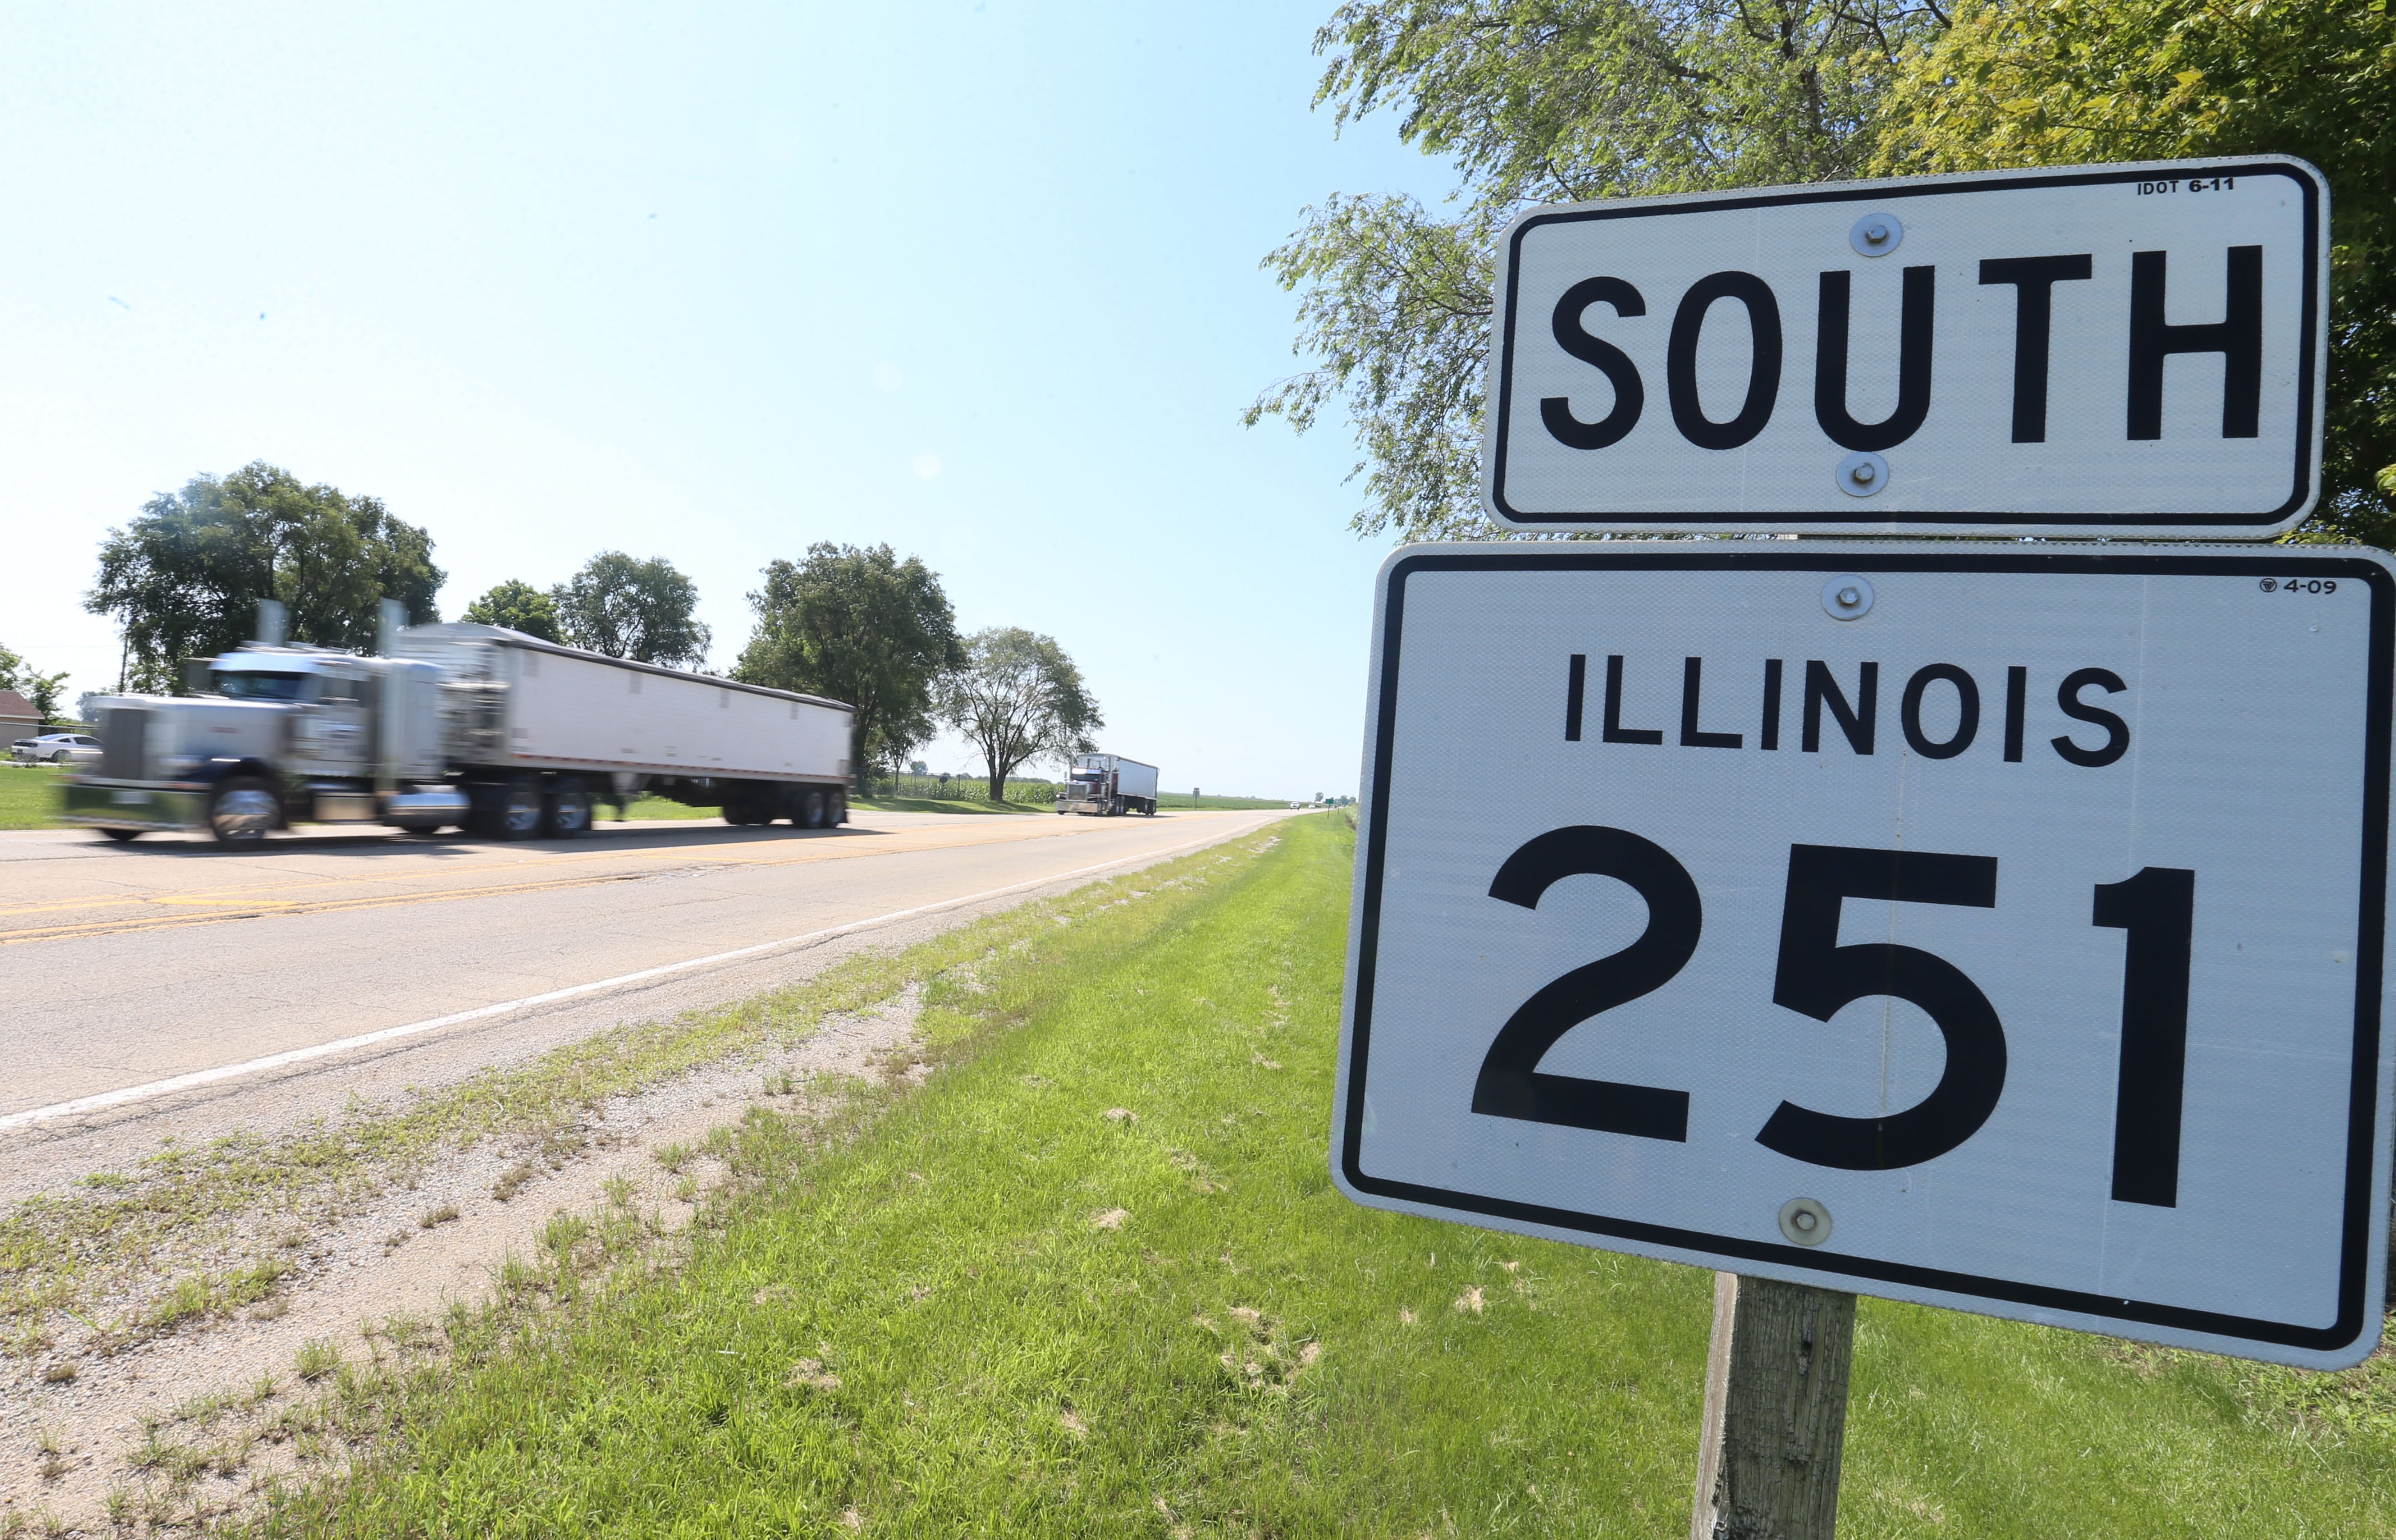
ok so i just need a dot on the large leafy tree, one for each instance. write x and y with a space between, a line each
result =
2054 82
645 611
518 606
856 624
184 577
1539 101
1019 698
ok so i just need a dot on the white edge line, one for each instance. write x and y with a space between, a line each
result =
102 1100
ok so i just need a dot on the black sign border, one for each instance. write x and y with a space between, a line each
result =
1857 514
2355 1311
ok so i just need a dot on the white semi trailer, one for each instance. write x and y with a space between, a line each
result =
488 729
1110 785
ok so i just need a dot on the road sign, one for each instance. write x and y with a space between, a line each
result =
1998 928
2108 349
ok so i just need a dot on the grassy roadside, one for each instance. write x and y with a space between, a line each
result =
1167 801
28 796
1093 1279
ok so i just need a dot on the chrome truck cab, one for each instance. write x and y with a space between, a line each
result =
277 735
1089 788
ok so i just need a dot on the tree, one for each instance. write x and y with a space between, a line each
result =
1019 698
640 610
2052 82
1540 102
41 690
859 625
183 579
518 606
44 690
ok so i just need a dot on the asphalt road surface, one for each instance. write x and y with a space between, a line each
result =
129 973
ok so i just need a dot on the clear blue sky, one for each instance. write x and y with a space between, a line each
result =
979 280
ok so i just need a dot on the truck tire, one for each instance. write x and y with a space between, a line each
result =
510 810
122 836
243 812
814 808
566 811
1115 809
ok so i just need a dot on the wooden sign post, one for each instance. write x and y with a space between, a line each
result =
1776 1411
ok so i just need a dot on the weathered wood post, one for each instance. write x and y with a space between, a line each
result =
1776 1411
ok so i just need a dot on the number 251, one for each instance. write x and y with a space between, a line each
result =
1816 977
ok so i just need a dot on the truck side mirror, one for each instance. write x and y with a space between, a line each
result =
196 675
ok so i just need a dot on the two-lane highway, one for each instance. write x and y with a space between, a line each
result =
126 967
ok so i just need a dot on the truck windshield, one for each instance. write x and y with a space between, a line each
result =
247 684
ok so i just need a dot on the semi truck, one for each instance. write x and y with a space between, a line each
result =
480 727
1110 785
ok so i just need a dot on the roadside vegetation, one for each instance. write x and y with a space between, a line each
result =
1182 801
1092 1278
28 796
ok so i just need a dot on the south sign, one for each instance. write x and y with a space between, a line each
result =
1998 927
2113 349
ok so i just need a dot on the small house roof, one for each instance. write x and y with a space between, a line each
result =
16 708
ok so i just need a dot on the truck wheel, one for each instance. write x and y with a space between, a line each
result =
516 810
122 836
566 811
243 811
812 811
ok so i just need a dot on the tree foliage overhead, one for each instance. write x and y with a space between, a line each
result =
645 611
859 625
2055 82
1019 698
1540 102
519 606
184 577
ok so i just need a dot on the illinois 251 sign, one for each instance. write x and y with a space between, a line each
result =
1999 929
2116 349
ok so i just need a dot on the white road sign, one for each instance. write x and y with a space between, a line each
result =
1998 928
2104 349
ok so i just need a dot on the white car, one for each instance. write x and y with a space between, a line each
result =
55 749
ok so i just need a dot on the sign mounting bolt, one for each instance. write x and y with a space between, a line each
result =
1805 1221
1847 597
1876 234
1861 475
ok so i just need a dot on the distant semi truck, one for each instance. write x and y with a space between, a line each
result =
493 731
1110 785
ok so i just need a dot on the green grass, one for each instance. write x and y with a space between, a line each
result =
1168 801
28 796
943 805
1092 1278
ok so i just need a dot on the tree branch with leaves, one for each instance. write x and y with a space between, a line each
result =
1539 101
